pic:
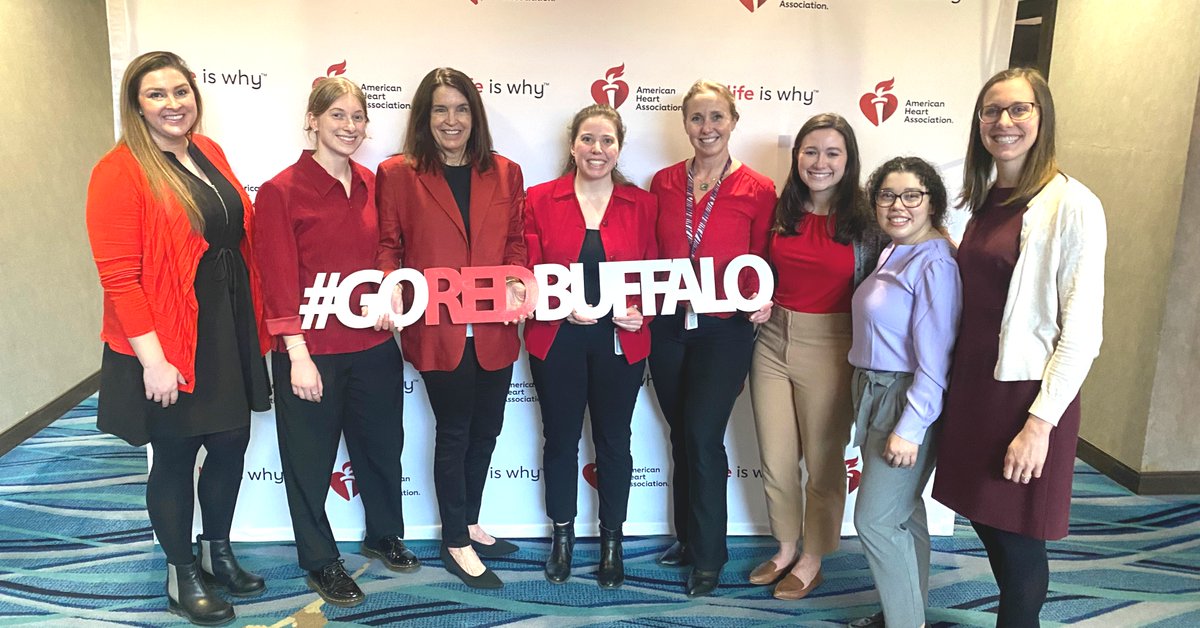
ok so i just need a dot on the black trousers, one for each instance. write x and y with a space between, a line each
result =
468 409
169 488
698 375
1022 572
364 399
582 371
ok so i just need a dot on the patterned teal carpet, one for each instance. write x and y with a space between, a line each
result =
76 550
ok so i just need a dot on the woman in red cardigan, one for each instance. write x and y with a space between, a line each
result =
589 215
449 201
170 228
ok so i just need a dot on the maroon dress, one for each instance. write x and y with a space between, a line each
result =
983 415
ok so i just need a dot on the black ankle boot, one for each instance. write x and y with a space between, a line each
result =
612 567
558 564
190 598
220 568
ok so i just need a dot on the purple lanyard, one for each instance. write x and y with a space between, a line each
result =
689 210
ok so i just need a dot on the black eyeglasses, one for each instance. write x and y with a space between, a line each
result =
908 198
1017 112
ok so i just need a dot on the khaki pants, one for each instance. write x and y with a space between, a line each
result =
800 387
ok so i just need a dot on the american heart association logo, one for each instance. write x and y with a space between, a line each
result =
751 5
879 105
610 90
852 474
342 482
336 69
589 474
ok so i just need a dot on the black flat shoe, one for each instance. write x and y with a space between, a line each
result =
497 549
486 580
611 573
335 586
701 582
562 548
393 553
676 556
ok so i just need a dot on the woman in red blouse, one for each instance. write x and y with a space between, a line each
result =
800 376
710 205
170 228
589 215
319 216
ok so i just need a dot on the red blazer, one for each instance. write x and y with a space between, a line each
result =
421 227
554 231
147 253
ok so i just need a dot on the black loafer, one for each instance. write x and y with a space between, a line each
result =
393 553
335 586
676 556
486 580
499 548
701 582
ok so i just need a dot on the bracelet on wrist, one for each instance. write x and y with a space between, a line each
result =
294 345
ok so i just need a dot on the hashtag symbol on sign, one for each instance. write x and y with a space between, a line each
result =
319 301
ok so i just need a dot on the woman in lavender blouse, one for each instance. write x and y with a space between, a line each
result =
905 320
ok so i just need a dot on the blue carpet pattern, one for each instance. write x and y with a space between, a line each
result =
76 550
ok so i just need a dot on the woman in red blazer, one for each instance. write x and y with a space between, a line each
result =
591 214
449 201
170 228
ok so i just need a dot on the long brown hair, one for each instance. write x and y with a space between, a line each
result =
135 134
847 211
596 111
419 144
1040 165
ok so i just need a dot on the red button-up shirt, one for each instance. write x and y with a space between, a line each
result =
305 224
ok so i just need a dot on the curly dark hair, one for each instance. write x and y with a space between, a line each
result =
848 209
926 173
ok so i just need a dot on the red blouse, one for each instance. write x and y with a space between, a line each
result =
740 221
306 224
814 273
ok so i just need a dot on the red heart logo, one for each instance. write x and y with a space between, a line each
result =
879 105
750 4
589 473
852 474
609 90
336 69
342 482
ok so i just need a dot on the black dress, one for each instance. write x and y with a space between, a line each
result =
231 375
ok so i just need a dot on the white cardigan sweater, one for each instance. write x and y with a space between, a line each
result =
1052 325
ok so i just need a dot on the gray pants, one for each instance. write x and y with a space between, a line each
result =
889 513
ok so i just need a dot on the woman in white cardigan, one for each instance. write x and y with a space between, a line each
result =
1032 267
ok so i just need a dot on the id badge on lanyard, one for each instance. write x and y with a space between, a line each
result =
691 320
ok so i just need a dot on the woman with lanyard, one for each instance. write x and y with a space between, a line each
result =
710 206
170 228
1032 266
450 201
319 216
589 215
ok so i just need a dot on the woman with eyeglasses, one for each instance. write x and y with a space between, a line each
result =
905 317
1032 266
821 248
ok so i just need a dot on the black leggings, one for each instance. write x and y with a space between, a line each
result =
1022 572
169 493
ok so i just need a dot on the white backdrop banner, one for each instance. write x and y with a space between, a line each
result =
904 72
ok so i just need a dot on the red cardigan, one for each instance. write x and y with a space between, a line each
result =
554 232
146 253
421 227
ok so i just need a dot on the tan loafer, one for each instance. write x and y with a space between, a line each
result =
791 588
768 573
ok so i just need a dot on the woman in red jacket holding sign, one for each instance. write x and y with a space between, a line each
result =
170 228
449 201
589 215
